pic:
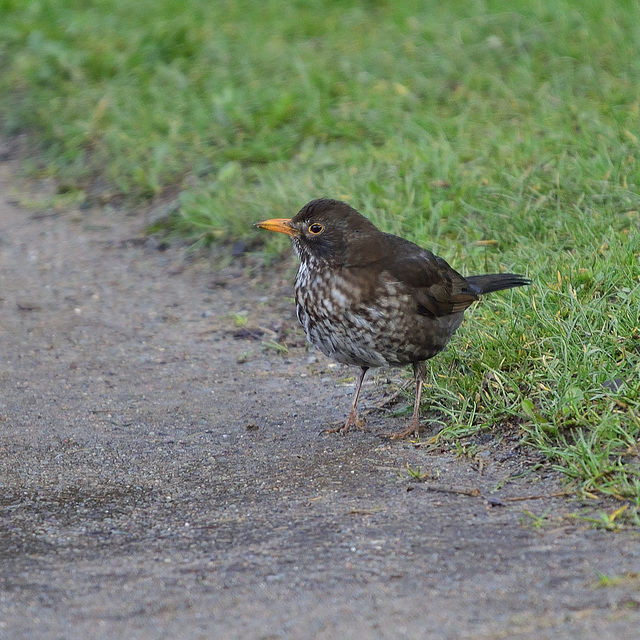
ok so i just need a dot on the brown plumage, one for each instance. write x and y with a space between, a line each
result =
373 299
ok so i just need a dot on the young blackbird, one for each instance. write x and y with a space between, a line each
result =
372 299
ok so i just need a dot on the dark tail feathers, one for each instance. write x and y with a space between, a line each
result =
496 282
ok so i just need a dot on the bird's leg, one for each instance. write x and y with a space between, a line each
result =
352 419
419 372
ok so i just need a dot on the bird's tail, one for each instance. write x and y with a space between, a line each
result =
496 282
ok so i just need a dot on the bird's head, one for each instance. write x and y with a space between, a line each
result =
329 231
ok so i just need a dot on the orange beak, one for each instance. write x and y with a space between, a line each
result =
281 225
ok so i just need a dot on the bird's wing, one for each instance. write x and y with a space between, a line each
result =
438 289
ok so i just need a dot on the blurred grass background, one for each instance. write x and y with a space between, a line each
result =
501 135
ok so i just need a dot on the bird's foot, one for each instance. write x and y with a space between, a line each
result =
412 430
353 420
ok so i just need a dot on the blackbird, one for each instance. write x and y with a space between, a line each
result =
373 299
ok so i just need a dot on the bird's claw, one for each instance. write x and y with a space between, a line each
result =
412 430
354 420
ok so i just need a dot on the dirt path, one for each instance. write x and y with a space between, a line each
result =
163 478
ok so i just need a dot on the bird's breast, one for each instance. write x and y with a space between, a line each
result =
366 324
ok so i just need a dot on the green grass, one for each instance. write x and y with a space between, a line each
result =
501 138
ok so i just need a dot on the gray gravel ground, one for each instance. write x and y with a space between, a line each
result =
163 474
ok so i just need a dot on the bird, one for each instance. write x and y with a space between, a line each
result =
373 299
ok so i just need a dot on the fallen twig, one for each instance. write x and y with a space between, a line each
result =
558 494
473 492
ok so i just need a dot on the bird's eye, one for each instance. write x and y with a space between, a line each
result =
316 229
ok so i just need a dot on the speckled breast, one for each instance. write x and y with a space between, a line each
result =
374 330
